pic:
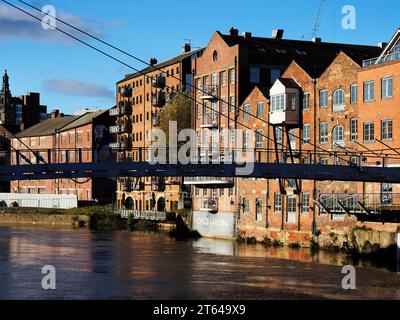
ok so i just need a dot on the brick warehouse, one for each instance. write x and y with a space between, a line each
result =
64 139
140 97
241 70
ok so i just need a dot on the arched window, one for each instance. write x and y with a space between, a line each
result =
338 136
338 100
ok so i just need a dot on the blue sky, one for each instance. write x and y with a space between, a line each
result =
71 77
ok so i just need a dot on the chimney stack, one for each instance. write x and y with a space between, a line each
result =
382 45
247 35
234 32
55 114
153 61
187 48
316 40
277 34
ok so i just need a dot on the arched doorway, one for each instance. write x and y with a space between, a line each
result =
161 205
129 203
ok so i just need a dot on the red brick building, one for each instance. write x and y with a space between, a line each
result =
240 71
140 97
70 139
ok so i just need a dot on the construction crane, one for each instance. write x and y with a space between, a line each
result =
318 19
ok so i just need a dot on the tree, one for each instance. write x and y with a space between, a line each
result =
178 109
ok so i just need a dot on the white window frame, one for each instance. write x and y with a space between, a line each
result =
354 129
306 134
323 99
323 135
338 100
338 136
387 90
354 93
369 95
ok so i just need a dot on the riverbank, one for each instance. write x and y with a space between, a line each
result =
96 218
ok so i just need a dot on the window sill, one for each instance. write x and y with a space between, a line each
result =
369 101
387 98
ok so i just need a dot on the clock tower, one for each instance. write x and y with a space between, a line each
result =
5 101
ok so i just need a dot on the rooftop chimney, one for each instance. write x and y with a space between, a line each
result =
247 35
278 33
187 48
153 61
382 45
233 32
55 114
316 40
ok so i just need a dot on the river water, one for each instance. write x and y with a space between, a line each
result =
133 265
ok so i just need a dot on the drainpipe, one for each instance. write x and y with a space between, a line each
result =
314 223
236 115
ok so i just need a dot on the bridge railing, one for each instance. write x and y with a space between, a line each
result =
143 215
373 203
202 155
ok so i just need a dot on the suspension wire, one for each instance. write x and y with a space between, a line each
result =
156 68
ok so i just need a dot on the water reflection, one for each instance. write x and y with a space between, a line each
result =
124 265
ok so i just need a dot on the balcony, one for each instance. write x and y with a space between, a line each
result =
208 182
126 91
123 128
173 181
210 93
115 145
114 129
125 109
138 186
210 121
125 145
381 60
159 99
158 184
158 82
114 112
210 205
125 185
155 121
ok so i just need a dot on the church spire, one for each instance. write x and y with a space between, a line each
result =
6 84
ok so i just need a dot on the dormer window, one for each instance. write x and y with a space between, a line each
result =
278 103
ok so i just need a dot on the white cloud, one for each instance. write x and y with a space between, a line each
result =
15 24
77 88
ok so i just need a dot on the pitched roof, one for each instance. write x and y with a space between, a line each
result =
289 83
313 57
47 127
161 65
83 120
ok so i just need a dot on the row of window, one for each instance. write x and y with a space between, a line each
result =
305 203
386 89
214 193
170 72
338 97
258 206
222 81
69 138
338 132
